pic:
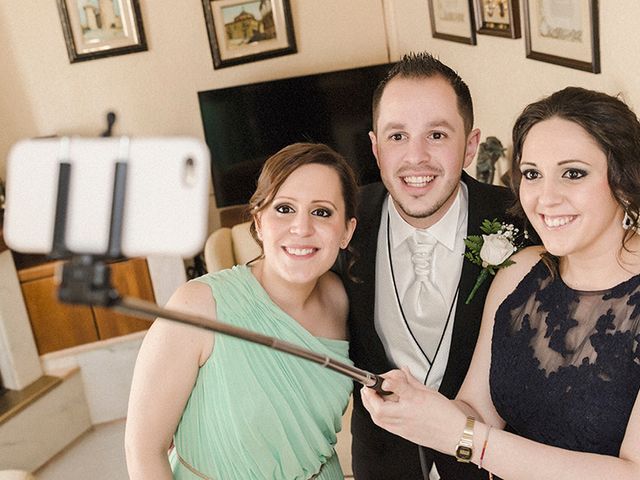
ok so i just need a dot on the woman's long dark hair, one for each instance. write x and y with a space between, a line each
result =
614 127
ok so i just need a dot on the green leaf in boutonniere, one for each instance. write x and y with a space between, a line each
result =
491 250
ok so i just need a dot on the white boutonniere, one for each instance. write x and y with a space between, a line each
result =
492 249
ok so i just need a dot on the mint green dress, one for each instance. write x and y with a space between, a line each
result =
254 412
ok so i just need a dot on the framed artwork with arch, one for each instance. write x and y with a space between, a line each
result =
242 31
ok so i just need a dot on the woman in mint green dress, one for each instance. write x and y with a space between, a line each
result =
230 409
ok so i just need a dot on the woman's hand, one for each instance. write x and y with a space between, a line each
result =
415 412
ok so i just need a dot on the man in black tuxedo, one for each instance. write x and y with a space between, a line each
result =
422 138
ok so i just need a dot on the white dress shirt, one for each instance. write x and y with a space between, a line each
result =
450 231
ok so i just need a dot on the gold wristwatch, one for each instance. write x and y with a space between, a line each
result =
464 449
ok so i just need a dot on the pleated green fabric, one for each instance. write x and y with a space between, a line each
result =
255 413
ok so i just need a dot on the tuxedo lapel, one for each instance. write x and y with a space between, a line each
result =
367 350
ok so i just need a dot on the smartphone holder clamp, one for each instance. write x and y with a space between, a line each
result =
86 278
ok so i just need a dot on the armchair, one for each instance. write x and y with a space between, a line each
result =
227 247
15 475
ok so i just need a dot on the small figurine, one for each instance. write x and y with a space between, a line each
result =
2 194
489 153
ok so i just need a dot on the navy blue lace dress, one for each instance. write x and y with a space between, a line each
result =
565 365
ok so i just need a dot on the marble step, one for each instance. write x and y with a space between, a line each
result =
36 430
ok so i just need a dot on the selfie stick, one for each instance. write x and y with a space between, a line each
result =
86 279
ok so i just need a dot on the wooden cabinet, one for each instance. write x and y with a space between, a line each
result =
56 325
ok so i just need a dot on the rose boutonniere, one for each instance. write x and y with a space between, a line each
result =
492 249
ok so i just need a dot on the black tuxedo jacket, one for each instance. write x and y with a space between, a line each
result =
378 454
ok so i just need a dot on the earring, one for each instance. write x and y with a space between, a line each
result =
627 221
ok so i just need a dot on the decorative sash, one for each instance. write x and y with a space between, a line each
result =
193 470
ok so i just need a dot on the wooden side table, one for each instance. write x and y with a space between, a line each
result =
56 325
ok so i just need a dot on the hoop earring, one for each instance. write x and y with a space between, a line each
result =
627 221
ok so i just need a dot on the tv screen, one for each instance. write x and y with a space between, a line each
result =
244 125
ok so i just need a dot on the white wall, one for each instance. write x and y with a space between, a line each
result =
155 92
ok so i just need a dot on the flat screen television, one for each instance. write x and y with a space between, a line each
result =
244 125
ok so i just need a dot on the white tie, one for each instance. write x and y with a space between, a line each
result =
423 304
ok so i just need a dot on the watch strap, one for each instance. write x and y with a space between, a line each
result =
464 449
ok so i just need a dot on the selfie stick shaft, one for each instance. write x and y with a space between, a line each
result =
149 311
86 279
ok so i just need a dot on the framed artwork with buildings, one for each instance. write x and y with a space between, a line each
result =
101 28
453 20
563 32
498 17
242 31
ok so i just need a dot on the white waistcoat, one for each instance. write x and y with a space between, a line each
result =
400 347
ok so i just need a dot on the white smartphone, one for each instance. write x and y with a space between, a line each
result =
165 202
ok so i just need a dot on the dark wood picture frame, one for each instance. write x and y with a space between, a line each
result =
89 36
500 18
237 35
558 46
440 18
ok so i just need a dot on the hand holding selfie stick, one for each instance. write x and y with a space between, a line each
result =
86 279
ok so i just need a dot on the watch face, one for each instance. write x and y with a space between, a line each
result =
463 453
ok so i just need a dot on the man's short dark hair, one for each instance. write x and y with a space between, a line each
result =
424 65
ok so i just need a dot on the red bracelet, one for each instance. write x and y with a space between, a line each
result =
484 449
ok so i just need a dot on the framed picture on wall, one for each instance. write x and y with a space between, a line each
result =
498 17
453 20
242 31
564 32
101 28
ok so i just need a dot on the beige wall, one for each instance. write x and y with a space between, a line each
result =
155 92
503 81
